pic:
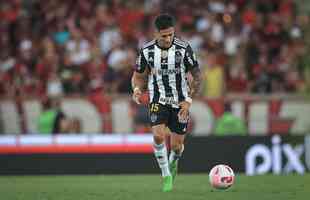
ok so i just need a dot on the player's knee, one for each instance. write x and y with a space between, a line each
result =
159 135
176 147
158 139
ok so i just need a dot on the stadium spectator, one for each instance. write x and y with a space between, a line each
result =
102 102
229 124
213 85
68 31
52 120
55 47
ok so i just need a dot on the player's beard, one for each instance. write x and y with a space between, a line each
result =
165 44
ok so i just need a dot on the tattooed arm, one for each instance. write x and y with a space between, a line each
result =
192 66
195 85
139 78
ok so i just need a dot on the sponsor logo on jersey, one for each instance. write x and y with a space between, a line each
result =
164 72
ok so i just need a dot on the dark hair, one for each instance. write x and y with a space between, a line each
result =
227 107
46 103
164 21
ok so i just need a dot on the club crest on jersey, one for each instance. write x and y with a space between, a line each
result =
153 118
178 57
164 54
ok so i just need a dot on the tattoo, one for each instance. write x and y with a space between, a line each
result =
196 84
140 80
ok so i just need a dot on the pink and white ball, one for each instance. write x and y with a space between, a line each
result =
221 177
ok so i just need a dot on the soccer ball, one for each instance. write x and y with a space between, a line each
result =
221 177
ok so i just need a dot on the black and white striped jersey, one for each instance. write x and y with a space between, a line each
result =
167 82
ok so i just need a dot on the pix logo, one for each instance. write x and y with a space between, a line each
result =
279 158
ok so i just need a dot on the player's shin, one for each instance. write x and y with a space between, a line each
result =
160 152
173 161
175 155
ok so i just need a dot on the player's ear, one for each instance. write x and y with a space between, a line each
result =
156 33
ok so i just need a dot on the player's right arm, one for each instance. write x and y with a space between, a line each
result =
138 82
139 78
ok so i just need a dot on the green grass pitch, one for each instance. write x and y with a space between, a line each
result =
148 187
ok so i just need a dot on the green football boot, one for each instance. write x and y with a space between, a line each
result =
167 183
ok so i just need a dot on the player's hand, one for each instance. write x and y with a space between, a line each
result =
137 95
184 111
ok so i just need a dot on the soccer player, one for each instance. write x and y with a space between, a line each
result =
163 65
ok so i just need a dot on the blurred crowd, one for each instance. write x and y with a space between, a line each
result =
56 47
89 47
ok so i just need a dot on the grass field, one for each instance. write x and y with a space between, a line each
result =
147 187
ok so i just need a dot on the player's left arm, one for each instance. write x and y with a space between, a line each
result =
192 66
195 86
